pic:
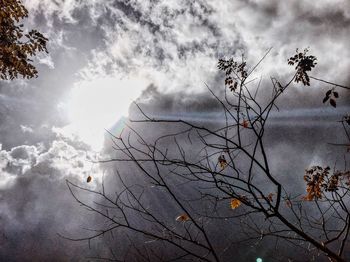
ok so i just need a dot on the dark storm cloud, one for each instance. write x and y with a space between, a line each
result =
291 147
153 101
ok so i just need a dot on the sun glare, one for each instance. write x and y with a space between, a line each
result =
98 104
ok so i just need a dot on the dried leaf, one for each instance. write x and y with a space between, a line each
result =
336 95
308 197
183 218
288 203
270 197
222 161
235 203
17 48
89 179
245 123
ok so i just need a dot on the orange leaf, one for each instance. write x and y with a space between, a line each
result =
183 218
89 179
235 203
308 197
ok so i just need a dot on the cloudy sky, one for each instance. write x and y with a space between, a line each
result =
105 54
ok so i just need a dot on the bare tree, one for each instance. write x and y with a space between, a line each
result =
229 178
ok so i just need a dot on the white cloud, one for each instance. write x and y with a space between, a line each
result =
58 162
63 9
26 129
45 59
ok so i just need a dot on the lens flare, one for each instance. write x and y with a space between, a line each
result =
96 105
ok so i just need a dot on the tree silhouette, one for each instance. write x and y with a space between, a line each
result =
230 181
16 46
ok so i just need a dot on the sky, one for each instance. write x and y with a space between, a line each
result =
103 55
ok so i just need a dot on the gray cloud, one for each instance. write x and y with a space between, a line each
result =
35 202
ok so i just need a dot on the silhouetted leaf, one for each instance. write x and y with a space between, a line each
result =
325 99
304 63
332 102
336 95
89 179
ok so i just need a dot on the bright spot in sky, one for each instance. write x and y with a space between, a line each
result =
259 259
96 105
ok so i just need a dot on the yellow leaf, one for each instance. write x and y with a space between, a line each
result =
222 161
183 218
89 179
235 203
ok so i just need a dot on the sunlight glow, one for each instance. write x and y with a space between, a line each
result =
96 105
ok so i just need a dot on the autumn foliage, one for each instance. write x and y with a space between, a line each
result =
319 181
16 46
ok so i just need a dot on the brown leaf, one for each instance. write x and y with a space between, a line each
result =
288 203
270 197
183 218
89 179
235 203
308 197
222 161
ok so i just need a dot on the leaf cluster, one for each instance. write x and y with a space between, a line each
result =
319 181
303 64
331 95
234 71
16 46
